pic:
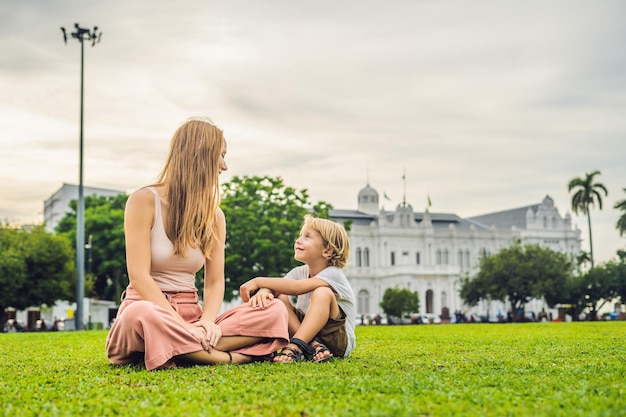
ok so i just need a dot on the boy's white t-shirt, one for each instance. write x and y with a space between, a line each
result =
343 292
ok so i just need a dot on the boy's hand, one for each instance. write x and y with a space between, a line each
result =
261 298
246 289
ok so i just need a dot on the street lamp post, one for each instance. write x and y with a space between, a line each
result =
82 35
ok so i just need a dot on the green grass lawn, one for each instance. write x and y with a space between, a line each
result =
534 369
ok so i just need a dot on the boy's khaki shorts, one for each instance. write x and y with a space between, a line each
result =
333 334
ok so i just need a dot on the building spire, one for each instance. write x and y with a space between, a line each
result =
404 194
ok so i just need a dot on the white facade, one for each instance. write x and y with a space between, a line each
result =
58 203
96 311
428 253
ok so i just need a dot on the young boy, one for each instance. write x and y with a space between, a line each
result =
321 325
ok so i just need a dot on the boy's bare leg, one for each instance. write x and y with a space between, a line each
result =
323 305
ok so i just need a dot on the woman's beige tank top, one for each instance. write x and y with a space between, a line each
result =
171 272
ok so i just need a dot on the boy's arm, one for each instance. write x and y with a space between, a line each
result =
280 286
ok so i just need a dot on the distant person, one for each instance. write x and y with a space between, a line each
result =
321 325
8 326
174 228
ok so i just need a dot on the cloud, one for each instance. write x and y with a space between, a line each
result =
488 105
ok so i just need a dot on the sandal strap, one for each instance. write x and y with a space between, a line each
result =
320 347
304 347
290 353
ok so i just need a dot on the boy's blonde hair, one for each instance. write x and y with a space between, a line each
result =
334 236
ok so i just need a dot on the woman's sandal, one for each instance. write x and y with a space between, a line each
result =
263 358
253 359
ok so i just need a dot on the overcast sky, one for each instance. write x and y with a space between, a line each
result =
487 105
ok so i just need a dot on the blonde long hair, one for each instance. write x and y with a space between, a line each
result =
190 177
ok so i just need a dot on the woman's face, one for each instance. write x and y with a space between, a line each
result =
223 167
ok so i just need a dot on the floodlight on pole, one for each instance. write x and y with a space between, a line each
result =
82 35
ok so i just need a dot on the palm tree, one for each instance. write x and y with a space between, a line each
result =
582 258
587 193
621 223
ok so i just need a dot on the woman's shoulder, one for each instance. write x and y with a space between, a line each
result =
143 197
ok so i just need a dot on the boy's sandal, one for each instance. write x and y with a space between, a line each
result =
303 350
318 348
293 354
304 347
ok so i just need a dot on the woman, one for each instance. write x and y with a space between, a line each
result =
173 228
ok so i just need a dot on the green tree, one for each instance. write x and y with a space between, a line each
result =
587 193
399 302
621 222
105 255
518 274
621 276
12 267
263 219
36 267
596 287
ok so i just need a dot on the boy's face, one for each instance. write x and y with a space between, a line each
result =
309 246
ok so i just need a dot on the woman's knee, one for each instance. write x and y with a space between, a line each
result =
137 311
280 307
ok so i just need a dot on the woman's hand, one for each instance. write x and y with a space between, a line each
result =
207 333
262 298
246 289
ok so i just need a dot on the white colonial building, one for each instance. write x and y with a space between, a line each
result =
55 207
428 252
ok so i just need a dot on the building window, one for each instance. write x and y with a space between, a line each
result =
358 257
467 259
393 258
444 299
366 257
445 257
363 303
438 257
417 258
545 222
429 302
